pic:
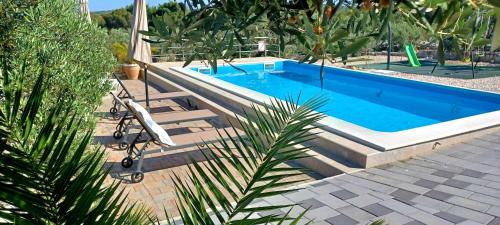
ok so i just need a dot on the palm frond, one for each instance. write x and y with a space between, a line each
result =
379 222
47 175
238 171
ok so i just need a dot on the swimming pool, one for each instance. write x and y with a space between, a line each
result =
363 105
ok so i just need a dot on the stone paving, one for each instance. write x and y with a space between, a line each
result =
156 191
456 185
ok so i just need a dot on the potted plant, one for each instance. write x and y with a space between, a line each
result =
131 69
120 51
126 65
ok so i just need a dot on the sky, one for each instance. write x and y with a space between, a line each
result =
100 5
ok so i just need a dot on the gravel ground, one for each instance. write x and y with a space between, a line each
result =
487 84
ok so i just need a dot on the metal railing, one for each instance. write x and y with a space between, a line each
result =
181 53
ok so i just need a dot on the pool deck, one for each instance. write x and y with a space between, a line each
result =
156 191
339 148
456 185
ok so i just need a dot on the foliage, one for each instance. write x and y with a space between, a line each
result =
116 19
318 27
236 173
54 180
49 173
118 43
120 18
403 32
379 222
223 23
11 14
496 32
120 50
118 36
272 134
462 22
174 9
68 51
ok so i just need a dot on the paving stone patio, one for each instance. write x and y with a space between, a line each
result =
456 185
156 191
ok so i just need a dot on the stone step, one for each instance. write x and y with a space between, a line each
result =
327 164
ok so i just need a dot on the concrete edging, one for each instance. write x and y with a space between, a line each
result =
359 154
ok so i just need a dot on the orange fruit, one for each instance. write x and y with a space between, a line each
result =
385 3
367 5
329 11
318 30
318 47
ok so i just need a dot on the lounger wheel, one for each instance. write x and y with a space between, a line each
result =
137 177
123 145
127 162
113 110
115 116
117 134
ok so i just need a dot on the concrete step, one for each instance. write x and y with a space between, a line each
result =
332 154
326 163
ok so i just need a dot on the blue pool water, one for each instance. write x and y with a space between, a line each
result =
371 101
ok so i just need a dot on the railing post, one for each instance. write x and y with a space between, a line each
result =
146 86
279 51
239 46
182 50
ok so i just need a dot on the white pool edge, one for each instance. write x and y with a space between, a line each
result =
382 141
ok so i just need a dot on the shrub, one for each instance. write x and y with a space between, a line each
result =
72 54
118 36
120 50
52 70
56 180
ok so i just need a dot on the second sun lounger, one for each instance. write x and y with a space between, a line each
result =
156 134
126 94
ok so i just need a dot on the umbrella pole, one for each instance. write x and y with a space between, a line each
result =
389 45
472 64
146 86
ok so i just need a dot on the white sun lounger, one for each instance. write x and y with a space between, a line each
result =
159 135
125 94
126 123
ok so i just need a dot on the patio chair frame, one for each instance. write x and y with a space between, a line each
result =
125 94
135 152
126 123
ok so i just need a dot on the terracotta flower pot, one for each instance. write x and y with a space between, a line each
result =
132 71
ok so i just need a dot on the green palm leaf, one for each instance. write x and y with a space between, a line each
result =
238 171
47 174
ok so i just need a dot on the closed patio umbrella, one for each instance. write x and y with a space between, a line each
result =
84 9
138 49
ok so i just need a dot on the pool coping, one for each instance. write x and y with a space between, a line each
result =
381 141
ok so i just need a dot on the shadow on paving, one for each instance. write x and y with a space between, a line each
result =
156 163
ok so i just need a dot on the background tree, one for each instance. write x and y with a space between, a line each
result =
315 24
120 18
462 23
